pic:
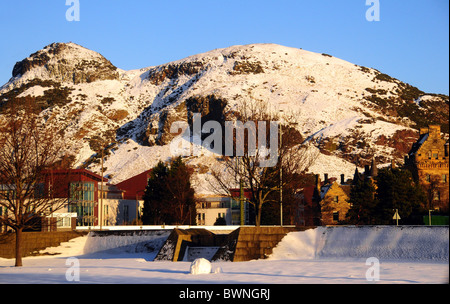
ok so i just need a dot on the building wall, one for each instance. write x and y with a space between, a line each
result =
207 217
431 162
334 205
121 211
212 207
135 187
84 202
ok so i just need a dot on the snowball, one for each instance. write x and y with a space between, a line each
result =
201 266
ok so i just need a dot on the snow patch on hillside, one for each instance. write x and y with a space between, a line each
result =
33 91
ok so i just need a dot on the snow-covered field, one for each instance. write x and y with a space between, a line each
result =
319 256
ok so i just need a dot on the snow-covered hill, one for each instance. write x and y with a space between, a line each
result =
350 113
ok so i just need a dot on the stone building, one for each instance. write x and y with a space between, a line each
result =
325 203
333 201
428 161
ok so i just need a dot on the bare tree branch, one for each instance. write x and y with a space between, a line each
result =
261 182
27 149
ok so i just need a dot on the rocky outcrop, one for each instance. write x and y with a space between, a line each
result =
158 127
69 63
174 71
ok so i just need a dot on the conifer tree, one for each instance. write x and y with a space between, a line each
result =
169 196
396 189
363 202
155 196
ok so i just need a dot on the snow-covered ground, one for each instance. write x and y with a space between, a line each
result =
319 256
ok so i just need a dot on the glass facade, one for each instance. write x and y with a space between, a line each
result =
82 202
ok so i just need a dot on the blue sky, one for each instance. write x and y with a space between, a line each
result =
410 42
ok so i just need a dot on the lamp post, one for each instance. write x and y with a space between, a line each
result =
281 174
241 191
100 214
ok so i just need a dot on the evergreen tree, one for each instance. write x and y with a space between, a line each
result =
156 196
396 189
181 193
363 202
169 196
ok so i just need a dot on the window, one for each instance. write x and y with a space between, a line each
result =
201 219
82 191
125 214
336 199
444 178
106 215
436 195
63 221
336 216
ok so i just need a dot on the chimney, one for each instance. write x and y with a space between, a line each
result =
356 177
326 178
435 131
366 170
342 179
374 169
318 182
423 131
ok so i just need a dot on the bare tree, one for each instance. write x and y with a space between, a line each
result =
27 149
263 183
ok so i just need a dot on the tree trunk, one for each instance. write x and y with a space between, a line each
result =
258 215
19 247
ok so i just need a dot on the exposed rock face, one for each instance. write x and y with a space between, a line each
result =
158 128
174 71
67 63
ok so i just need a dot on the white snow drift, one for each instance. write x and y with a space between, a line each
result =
335 255
411 243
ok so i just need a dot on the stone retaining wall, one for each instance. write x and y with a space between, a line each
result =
243 244
33 242
258 242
